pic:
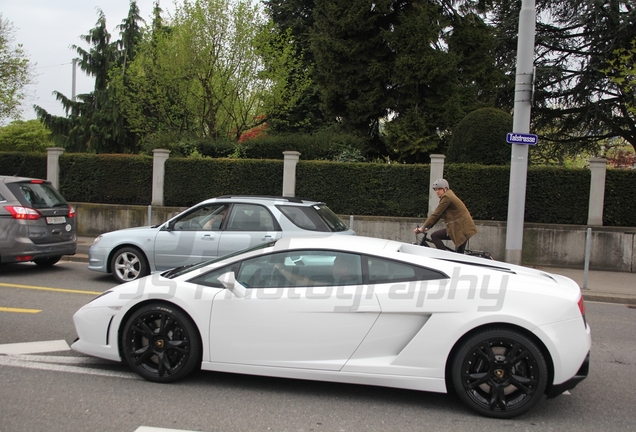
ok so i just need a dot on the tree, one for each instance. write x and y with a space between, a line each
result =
16 72
94 122
27 136
622 72
415 66
205 76
576 102
293 21
480 138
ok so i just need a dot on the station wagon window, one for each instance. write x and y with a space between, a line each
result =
315 218
207 217
250 217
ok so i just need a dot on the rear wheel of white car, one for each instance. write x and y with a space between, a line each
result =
161 343
128 264
499 373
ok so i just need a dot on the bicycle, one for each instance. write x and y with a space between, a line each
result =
426 240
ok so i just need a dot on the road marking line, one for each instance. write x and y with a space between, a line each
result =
16 361
155 429
50 289
34 347
19 310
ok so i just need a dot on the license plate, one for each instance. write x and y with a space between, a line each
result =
53 220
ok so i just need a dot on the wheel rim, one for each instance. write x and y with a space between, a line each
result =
128 266
500 374
158 343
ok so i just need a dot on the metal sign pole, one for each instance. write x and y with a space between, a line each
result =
521 125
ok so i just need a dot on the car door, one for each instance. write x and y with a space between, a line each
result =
312 323
247 226
190 238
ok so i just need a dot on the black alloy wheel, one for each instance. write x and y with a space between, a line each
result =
499 373
128 264
161 343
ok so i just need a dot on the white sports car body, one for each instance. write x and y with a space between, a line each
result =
354 310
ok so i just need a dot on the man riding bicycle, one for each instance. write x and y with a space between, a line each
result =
459 224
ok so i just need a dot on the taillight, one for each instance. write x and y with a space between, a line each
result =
71 211
26 213
582 309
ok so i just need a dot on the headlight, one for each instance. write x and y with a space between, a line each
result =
97 239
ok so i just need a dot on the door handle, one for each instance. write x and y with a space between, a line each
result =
208 237
267 238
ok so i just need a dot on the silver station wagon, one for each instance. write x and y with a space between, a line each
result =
210 229
36 223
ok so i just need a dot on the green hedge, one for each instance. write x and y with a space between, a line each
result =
110 179
553 194
23 164
365 188
189 181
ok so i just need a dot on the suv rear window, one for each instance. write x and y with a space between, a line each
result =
37 195
314 218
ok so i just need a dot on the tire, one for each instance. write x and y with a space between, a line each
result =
128 264
47 262
499 373
161 343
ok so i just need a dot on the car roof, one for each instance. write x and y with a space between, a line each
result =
15 179
264 199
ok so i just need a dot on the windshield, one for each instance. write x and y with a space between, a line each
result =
170 274
39 195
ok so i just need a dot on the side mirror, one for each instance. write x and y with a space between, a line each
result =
229 282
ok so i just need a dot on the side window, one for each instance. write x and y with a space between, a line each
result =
304 217
250 217
301 269
382 270
207 217
211 279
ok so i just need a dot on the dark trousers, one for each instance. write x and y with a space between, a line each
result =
439 235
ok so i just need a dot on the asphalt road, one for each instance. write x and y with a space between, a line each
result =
64 390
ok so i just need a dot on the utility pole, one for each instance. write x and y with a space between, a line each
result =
74 79
521 124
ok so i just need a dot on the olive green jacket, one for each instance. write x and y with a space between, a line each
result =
459 224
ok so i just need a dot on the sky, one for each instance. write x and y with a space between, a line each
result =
47 28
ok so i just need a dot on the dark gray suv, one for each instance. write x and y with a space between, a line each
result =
36 223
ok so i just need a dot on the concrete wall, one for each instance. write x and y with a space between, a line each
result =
612 248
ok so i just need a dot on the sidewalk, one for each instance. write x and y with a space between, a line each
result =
602 286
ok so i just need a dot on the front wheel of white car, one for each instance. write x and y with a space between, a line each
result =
161 343
128 264
499 373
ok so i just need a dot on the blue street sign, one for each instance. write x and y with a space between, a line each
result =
519 138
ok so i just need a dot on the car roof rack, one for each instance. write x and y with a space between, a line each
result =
289 199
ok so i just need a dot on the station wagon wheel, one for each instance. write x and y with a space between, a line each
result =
128 264
47 262
499 373
161 343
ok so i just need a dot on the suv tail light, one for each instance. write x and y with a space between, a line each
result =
71 212
27 213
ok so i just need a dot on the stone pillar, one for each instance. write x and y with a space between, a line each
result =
159 157
289 173
53 165
598 167
437 172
